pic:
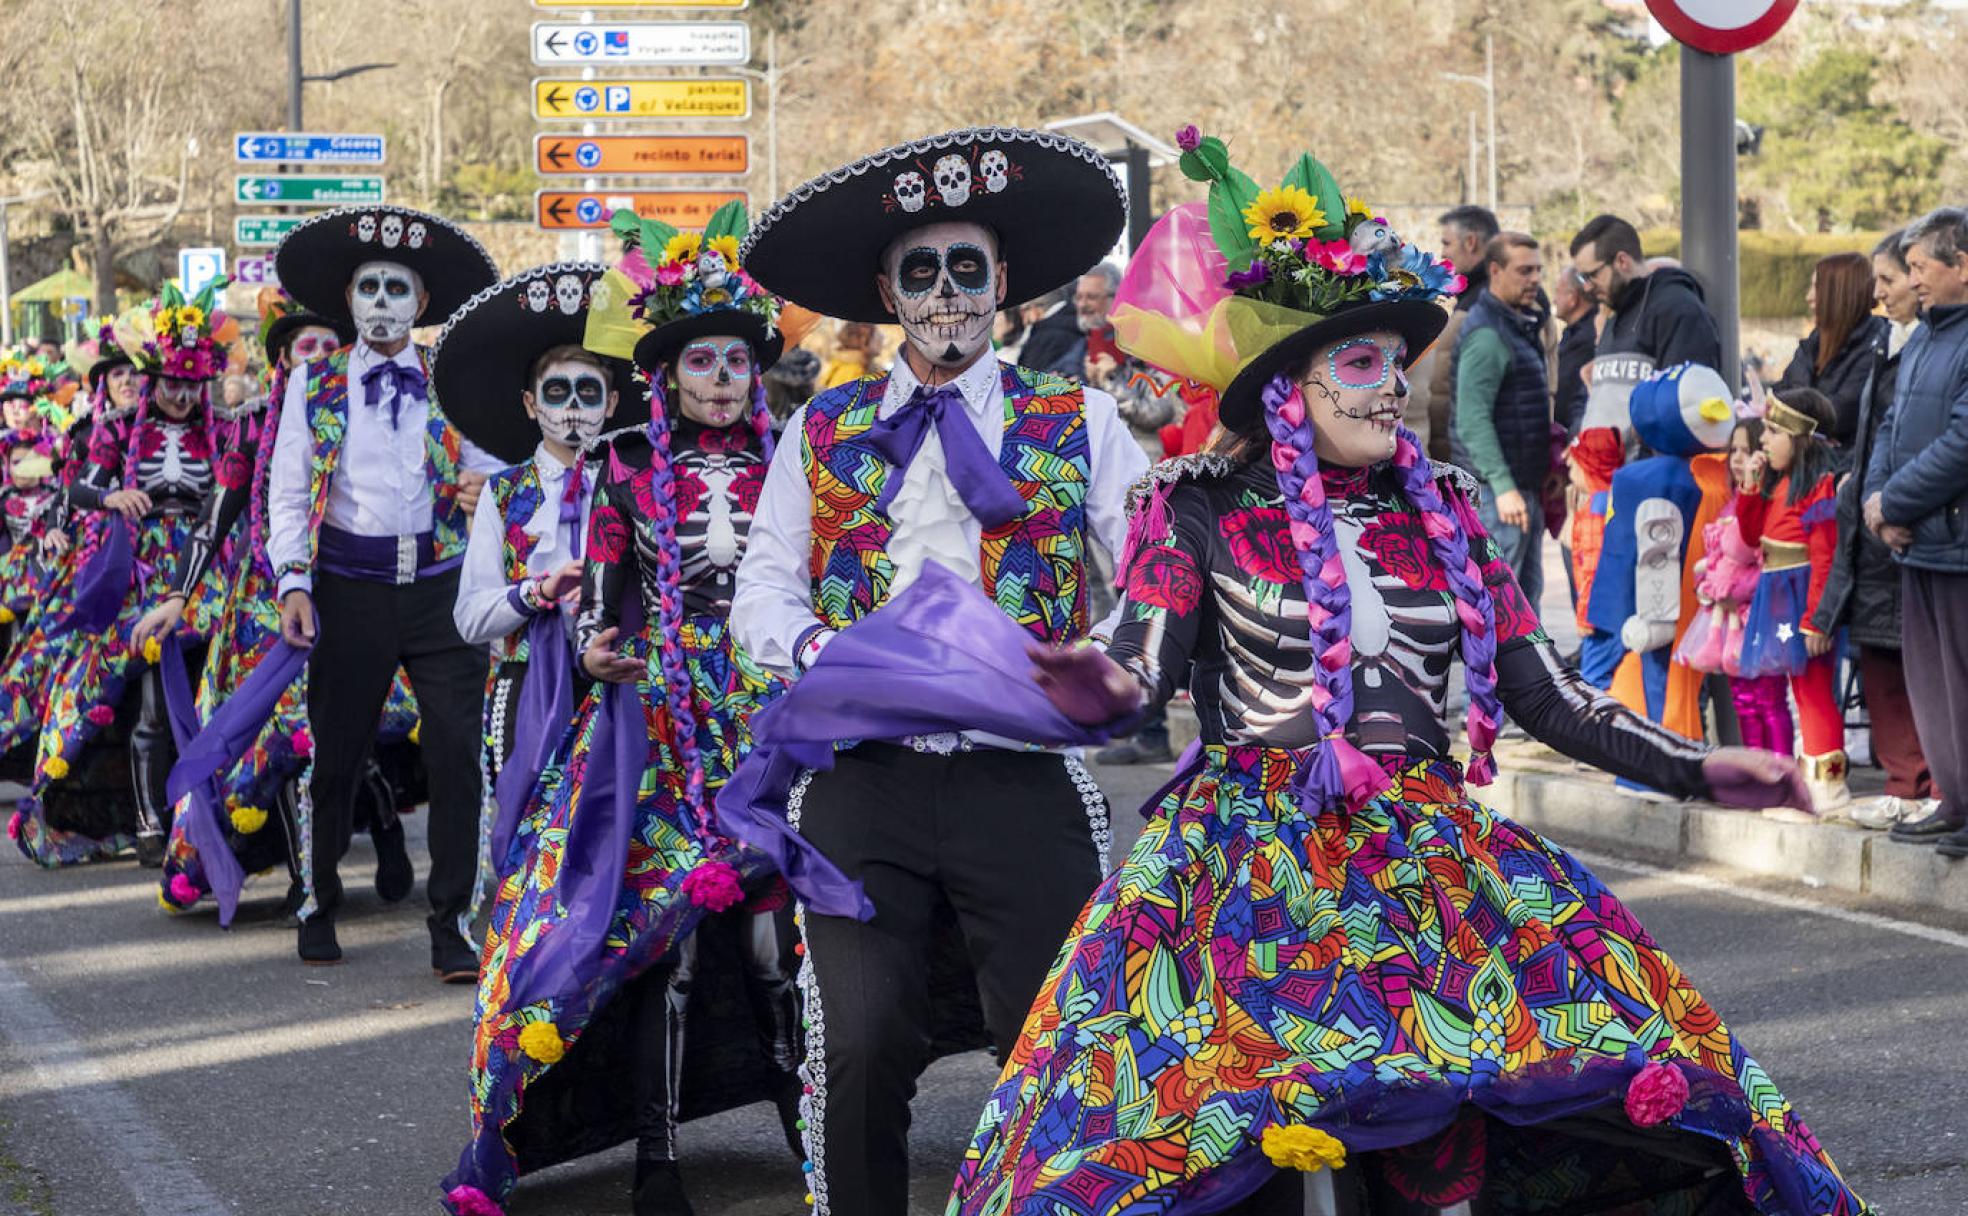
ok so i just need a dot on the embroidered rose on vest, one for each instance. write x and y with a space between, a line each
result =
1165 577
689 490
1260 543
233 470
608 535
747 488
1400 547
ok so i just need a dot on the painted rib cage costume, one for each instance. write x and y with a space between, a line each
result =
625 936
1322 953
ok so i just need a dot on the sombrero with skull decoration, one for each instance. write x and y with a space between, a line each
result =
318 258
1055 204
488 347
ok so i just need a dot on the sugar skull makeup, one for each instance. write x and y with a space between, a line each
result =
944 283
178 398
383 298
312 342
1355 391
732 359
572 399
714 377
124 385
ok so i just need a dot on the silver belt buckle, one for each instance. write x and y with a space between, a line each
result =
406 560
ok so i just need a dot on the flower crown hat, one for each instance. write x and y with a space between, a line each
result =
672 287
179 338
1230 292
24 374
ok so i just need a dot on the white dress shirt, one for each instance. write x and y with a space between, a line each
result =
484 611
773 604
380 486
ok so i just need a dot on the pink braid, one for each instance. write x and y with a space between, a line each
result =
677 686
263 455
761 416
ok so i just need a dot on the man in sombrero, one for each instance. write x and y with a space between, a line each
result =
1003 475
369 499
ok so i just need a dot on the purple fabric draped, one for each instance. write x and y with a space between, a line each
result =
103 583
203 826
546 702
980 480
574 492
939 657
408 381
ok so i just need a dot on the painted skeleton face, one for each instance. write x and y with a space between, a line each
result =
391 231
125 385
714 380
175 399
571 399
944 283
385 298
910 191
952 177
1355 390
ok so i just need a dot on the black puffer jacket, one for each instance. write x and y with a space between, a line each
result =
1863 593
1843 379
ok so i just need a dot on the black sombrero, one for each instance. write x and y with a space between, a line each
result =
283 327
1420 322
657 347
316 260
1054 202
487 348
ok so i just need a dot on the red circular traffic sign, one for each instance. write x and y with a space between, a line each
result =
1722 27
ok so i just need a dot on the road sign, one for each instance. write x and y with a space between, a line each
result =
311 188
263 230
556 209
1722 27
263 147
641 43
727 4
626 154
255 270
690 97
197 267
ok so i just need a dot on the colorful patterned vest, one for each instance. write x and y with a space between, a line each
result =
327 416
1034 567
517 493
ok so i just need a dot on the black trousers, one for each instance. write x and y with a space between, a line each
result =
1934 626
1003 836
367 630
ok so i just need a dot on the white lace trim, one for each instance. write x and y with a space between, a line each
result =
1099 821
813 1073
931 522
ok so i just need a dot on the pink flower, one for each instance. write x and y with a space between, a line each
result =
1657 1093
713 885
101 715
670 274
1189 138
470 1201
303 742
184 892
1336 256
14 826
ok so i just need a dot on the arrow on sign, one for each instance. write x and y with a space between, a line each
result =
555 152
553 98
553 42
557 209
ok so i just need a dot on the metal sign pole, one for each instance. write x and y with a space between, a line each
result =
1708 190
6 284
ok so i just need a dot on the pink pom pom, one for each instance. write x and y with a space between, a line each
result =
1657 1093
302 741
184 892
713 885
14 826
470 1201
101 715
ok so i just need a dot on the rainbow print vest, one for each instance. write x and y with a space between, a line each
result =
518 494
327 416
1034 568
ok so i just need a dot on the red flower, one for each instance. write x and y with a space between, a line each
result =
689 490
1515 617
1400 547
232 470
1260 543
608 535
1163 577
150 441
747 486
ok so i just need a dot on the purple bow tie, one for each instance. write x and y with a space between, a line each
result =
980 482
573 489
409 381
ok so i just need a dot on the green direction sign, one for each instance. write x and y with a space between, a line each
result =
310 189
263 230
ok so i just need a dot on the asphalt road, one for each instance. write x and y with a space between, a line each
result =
156 1065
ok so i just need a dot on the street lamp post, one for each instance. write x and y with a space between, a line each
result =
296 78
1487 83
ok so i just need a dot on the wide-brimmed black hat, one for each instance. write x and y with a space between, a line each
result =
657 347
1054 203
318 258
488 347
1241 405
277 331
111 357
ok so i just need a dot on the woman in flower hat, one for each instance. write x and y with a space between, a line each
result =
145 479
622 917
1322 952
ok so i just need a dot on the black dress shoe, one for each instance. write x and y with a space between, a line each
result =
1954 844
150 850
452 956
318 945
1134 751
659 1190
1927 829
395 876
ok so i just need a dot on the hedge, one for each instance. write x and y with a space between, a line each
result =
1775 267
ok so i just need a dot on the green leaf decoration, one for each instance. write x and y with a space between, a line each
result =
728 220
655 235
625 224
1316 180
1229 197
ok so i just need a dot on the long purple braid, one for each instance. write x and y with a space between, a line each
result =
669 614
761 416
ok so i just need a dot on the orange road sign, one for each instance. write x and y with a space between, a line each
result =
557 209
633 154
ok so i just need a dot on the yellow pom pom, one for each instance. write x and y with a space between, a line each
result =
417 731
6 615
541 1041
56 768
1306 1149
166 904
247 820
1716 410
153 650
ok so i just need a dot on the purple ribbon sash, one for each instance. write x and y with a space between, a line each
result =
103 583
546 702
980 481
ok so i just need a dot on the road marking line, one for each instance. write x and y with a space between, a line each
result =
147 1162
1794 903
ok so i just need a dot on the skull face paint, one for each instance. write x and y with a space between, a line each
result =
944 283
952 177
567 294
176 399
384 298
714 380
1355 391
125 385
571 399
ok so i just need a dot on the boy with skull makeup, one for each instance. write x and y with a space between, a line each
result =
368 502
1005 476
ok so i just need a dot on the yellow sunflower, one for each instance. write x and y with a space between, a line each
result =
1360 207
1284 213
191 315
683 247
728 246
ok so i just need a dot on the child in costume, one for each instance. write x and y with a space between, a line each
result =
1789 509
634 973
1322 952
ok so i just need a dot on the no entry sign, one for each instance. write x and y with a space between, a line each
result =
1722 27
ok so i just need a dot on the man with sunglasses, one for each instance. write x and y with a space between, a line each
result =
369 498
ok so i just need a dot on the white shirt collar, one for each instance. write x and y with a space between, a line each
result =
363 356
548 465
978 384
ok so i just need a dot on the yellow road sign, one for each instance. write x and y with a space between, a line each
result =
675 97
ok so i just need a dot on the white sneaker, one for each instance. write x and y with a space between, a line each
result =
1881 813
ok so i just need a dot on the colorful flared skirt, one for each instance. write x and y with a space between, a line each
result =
1773 631
652 915
1446 1001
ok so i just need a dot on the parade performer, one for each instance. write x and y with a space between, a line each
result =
28 493
622 919
142 484
259 810
1322 952
368 501
1795 522
1003 475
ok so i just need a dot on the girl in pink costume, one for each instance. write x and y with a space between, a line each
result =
1728 583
